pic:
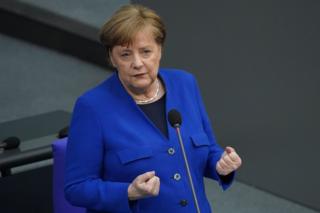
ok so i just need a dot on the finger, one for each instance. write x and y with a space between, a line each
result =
223 164
224 154
234 157
156 187
151 185
227 159
220 170
239 161
229 149
145 176
234 162
145 188
152 180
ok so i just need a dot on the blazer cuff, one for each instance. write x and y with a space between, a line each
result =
100 195
116 197
225 181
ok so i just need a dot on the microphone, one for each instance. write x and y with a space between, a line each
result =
63 133
174 118
175 121
10 143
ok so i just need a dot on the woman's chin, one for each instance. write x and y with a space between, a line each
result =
142 84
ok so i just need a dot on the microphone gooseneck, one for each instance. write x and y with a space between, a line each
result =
175 120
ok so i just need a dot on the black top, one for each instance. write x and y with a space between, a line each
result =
156 112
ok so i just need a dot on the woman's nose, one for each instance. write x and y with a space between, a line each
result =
137 61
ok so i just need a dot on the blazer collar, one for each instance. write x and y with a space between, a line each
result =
119 90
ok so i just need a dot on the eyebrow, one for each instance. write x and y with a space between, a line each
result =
123 48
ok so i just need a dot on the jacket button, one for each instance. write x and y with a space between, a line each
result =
171 151
177 176
183 202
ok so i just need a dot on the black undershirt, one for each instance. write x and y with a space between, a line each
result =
156 112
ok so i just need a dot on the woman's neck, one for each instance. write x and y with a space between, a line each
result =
148 95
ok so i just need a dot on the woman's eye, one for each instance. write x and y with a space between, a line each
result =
146 52
124 54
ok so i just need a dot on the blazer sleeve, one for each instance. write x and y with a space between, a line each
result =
215 151
84 163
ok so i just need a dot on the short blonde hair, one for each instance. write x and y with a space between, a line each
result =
126 22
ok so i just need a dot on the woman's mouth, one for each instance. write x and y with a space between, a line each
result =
139 75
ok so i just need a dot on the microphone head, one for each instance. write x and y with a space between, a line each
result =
10 143
63 133
174 118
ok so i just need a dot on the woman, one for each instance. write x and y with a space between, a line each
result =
122 155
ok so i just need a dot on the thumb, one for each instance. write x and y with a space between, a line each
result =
146 176
229 149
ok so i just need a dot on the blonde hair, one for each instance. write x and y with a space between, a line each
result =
126 22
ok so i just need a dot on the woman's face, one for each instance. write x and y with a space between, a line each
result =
138 63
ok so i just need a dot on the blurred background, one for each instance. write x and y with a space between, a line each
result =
257 63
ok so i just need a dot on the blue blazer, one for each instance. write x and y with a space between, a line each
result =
111 142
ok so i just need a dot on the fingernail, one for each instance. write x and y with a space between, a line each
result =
228 150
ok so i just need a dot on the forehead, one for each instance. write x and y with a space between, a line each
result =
142 38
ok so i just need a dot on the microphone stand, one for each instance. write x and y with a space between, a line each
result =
177 127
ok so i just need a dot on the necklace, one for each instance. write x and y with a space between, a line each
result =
152 98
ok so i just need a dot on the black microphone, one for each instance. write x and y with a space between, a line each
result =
10 143
175 120
63 133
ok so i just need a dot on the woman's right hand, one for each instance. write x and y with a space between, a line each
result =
144 185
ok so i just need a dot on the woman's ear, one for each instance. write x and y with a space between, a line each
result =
111 61
160 52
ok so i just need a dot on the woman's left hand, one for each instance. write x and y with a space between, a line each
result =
229 161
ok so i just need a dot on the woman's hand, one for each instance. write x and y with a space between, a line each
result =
229 161
145 185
